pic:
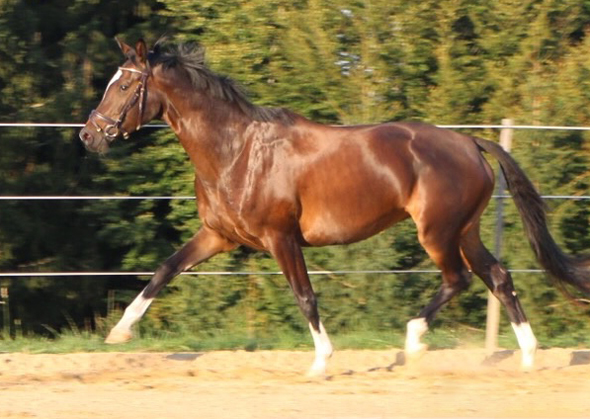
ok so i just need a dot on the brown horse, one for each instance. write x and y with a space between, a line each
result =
275 181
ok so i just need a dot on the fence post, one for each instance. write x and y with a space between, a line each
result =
493 313
5 309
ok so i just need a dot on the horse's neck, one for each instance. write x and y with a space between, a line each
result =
212 136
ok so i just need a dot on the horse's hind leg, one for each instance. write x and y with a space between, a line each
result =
205 244
499 281
444 251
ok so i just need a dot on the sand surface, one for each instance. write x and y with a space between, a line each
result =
272 384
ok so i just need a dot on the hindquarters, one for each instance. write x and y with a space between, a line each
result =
453 186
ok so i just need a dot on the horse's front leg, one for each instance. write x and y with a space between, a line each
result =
289 256
205 244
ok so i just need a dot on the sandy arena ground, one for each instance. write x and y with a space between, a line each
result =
271 384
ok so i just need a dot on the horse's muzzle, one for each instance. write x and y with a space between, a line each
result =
93 141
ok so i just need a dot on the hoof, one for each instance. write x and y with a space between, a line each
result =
316 373
527 363
118 336
414 349
413 355
318 369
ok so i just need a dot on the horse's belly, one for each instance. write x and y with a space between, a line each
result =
344 227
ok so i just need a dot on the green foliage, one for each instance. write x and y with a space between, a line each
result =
449 61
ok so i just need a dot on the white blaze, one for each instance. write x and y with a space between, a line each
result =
116 77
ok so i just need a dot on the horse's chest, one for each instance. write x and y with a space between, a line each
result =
233 213
252 196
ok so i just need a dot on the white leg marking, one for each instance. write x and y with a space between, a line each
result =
323 351
122 330
527 342
415 330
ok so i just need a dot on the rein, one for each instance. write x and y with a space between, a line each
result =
113 127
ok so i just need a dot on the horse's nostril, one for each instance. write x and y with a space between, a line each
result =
85 136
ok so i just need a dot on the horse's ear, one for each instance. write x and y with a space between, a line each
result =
141 51
126 49
137 56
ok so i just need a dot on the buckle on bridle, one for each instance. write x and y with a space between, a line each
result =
111 129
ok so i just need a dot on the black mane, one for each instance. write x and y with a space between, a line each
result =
191 57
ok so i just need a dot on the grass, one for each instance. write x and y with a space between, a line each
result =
75 340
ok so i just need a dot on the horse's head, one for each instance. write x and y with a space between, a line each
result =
125 105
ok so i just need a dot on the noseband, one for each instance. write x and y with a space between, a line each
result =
113 127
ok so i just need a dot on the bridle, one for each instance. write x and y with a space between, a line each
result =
113 127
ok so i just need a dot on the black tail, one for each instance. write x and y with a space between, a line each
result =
563 268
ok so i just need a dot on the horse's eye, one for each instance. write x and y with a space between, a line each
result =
124 87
